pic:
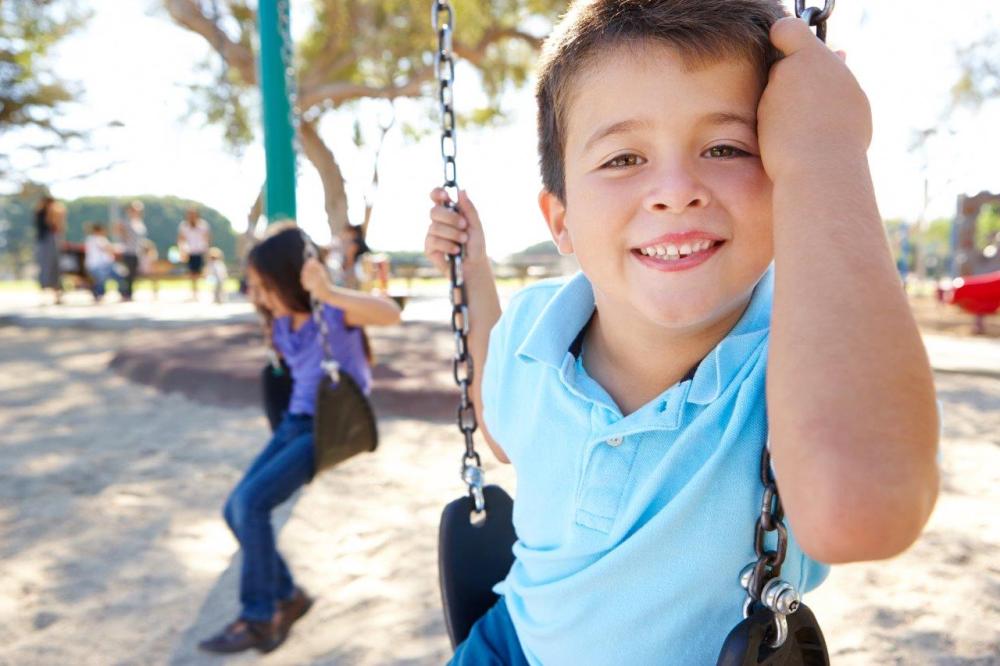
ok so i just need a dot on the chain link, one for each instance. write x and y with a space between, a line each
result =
768 564
814 16
443 22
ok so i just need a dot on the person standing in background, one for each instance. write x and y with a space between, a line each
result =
194 238
50 218
132 233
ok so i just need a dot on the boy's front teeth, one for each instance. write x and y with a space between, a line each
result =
675 252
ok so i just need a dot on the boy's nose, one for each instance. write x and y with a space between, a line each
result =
674 192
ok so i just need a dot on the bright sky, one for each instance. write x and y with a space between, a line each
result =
134 64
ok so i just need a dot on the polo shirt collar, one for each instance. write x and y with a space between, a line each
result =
564 316
718 369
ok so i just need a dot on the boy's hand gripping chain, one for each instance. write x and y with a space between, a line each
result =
443 20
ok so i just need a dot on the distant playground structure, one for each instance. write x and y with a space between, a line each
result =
976 287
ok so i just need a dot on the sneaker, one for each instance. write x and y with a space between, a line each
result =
243 635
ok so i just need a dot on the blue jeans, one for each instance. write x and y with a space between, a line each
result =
99 275
285 465
491 642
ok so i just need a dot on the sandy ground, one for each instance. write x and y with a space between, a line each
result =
112 549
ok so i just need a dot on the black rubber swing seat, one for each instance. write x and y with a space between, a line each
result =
473 557
747 644
344 424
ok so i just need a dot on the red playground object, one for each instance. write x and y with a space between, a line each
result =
976 294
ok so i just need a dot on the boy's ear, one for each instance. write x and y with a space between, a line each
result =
554 212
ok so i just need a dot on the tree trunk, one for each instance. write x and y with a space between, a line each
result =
334 193
246 241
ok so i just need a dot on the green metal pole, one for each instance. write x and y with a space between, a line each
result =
279 151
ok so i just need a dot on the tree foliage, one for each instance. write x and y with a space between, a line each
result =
980 71
354 50
362 49
31 95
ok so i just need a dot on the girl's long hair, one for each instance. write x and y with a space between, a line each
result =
278 260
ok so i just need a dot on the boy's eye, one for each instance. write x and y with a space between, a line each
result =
726 152
626 160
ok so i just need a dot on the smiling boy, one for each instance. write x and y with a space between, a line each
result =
680 157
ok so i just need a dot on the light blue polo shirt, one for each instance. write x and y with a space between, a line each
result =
632 531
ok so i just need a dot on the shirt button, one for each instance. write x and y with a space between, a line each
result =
614 441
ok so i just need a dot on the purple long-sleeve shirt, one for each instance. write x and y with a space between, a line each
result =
303 352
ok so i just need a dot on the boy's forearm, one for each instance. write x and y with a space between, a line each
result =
850 393
484 311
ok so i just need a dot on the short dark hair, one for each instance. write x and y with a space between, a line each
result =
702 31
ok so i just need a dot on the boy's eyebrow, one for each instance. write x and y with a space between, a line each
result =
631 124
619 127
730 118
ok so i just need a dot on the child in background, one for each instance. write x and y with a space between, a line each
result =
281 283
216 274
736 289
99 259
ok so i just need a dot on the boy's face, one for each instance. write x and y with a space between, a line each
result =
668 208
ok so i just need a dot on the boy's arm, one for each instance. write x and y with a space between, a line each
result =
449 228
853 419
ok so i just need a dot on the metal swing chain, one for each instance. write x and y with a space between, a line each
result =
814 16
760 578
443 21
329 365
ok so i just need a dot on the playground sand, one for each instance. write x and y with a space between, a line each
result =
113 550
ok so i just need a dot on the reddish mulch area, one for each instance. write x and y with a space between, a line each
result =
221 365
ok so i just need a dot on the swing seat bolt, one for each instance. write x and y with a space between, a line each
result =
473 476
781 597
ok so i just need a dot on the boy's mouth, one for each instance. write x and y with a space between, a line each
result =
675 251
678 251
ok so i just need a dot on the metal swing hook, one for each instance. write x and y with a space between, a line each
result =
777 595
814 16
472 474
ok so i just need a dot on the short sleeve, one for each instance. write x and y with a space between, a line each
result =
334 317
496 353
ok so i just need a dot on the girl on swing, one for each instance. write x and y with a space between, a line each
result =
281 283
